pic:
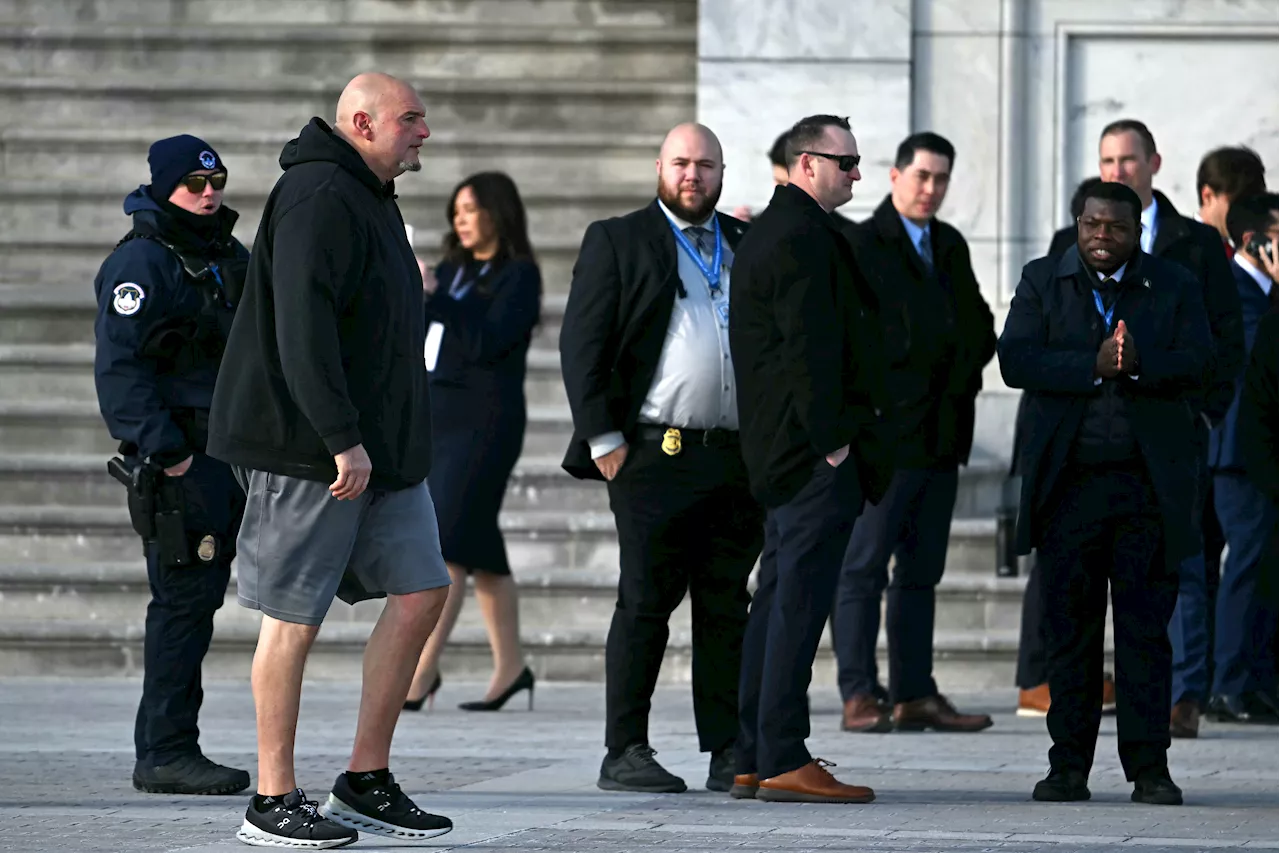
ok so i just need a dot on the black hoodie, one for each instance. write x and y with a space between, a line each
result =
326 349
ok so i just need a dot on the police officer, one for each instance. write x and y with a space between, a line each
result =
165 301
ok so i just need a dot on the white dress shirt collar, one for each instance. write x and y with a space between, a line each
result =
1148 238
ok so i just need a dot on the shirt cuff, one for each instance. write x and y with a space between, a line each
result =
1097 380
603 445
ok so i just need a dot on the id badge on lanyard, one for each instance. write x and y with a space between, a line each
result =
435 332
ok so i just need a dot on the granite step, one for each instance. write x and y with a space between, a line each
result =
58 314
962 660
489 49
66 256
551 601
32 211
537 483
559 13
286 103
54 372
537 540
540 162
75 426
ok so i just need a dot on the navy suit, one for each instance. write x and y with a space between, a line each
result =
478 412
1244 619
1120 522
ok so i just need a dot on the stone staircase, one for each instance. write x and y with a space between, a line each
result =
571 97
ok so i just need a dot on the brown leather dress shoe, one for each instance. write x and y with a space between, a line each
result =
1108 693
812 784
865 713
1184 720
1034 702
745 786
935 712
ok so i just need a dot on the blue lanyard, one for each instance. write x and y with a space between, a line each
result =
712 275
458 292
1105 313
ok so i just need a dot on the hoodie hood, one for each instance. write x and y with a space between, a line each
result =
318 143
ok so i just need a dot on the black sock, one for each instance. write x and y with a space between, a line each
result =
366 780
262 804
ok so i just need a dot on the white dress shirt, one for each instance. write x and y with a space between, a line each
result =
1264 281
693 385
1148 238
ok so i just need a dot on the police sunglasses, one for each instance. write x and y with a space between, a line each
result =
846 162
195 183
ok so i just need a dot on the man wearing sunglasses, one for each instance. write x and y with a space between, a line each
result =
165 301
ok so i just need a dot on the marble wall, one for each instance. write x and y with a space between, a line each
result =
1021 87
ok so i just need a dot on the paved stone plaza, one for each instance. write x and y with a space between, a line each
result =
525 781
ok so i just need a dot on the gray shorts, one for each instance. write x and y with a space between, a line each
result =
299 546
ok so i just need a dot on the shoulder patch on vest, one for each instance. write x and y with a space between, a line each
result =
127 299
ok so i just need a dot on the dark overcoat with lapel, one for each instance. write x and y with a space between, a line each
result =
938 334
1198 248
625 281
807 352
1049 349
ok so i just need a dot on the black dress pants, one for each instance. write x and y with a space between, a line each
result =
911 524
1104 525
180 615
686 523
805 541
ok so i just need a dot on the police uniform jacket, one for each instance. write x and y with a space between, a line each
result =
164 311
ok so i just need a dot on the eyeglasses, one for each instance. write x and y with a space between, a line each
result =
846 162
195 183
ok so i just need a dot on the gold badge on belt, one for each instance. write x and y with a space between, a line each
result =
206 550
671 442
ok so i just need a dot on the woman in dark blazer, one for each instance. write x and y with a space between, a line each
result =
482 305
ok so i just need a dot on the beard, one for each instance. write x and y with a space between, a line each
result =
697 213
406 166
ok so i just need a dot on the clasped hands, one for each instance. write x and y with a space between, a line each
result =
1118 354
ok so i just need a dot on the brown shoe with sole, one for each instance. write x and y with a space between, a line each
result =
1184 719
812 783
745 786
865 713
935 712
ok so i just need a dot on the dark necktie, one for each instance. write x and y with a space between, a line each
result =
1109 290
1273 297
702 239
925 248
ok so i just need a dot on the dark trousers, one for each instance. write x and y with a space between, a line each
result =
686 523
804 545
1105 526
911 524
1246 620
180 616
1190 679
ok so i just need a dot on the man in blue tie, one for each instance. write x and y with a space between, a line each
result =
938 333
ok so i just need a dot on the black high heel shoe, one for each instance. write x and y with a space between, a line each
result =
429 698
524 681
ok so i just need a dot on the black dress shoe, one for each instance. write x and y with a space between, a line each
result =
636 769
720 773
1240 708
190 774
1156 788
1062 786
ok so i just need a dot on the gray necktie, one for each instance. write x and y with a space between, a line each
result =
702 239
925 248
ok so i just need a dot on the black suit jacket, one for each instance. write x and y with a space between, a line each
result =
625 281
1260 438
1198 247
807 352
1049 349
938 335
